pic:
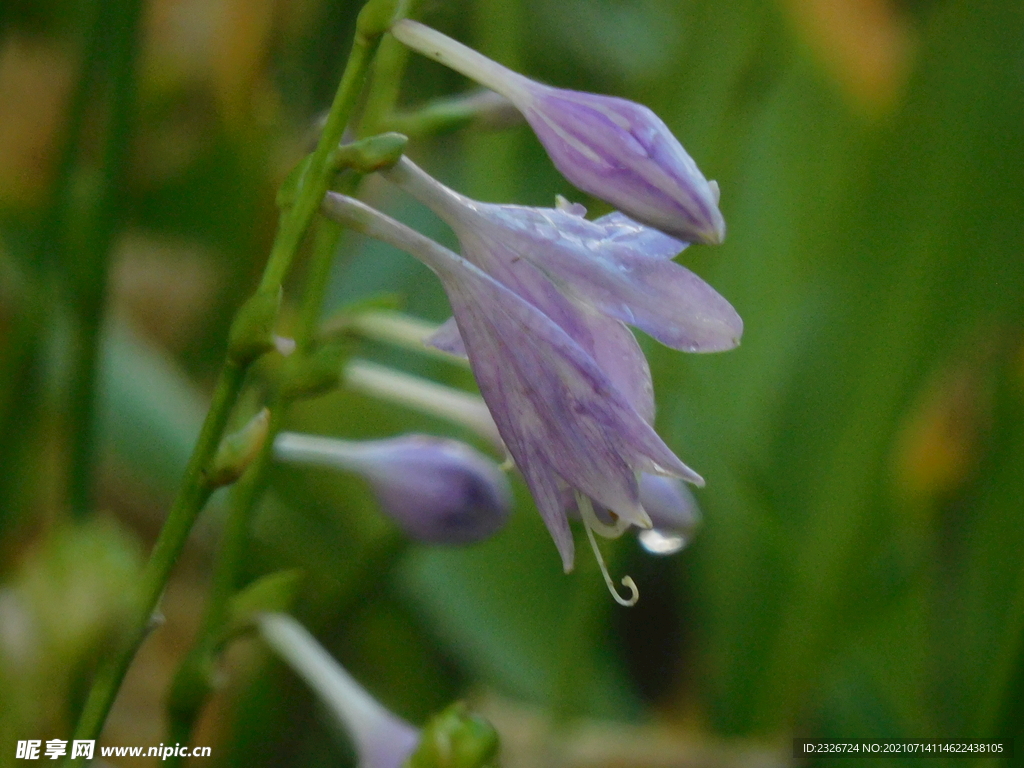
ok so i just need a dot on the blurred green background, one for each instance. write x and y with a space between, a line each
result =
860 571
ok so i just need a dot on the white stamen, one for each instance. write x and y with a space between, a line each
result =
591 520
627 581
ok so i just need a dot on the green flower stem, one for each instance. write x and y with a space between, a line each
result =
192 682
192 495
385 82
315 178
194 490
328 233
91 261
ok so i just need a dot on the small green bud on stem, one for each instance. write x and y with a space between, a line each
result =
238 450
370 154
252 332
376 18
304 376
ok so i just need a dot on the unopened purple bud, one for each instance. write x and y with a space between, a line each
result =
622 152
615 149
438 491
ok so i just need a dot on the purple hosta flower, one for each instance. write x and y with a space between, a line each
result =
438 491
614 266
614 149
562 418
381 739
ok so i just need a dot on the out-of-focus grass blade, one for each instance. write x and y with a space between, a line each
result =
150 413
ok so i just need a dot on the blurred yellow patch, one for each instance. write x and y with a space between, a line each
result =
866 45
938 446
222 45
167 286
35 81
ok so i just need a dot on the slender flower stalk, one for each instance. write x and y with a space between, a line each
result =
395 328
563 420
615 149
428 397
438 491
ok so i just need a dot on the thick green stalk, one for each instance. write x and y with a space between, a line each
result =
194 490
90 262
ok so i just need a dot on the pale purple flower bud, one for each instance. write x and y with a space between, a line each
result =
438 491
612 148
381 739
563 420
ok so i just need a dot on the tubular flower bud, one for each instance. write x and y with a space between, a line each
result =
453 738
438 491
381 739
612 148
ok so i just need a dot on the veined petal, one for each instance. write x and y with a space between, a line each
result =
606 265
615 265
543 389
547 494
607 340
612 346
651 242
498 253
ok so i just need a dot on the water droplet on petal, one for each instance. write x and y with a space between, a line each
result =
659 542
